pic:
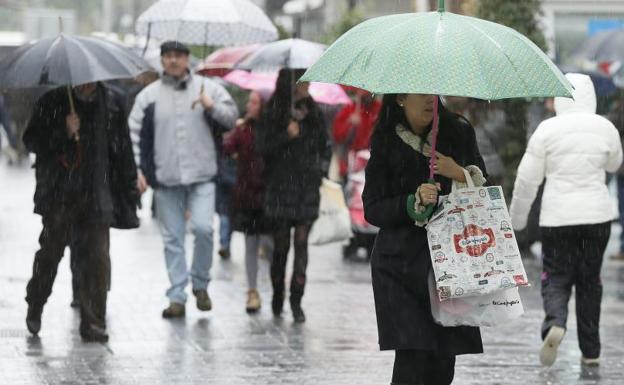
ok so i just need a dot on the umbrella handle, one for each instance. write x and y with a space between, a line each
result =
201 91
72 109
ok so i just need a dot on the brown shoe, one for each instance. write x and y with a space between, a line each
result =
253 301
175 310
203 300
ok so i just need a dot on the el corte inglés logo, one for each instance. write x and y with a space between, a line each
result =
474 240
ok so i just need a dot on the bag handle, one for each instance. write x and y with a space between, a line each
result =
469 181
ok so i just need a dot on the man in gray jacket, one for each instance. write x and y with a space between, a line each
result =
175 125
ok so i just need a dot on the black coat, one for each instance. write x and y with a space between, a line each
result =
293 167
400 259
46 137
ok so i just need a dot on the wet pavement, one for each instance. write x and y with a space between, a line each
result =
337 344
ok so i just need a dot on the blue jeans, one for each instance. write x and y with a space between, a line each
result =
171 205
225 231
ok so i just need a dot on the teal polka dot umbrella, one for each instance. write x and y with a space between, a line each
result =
439 53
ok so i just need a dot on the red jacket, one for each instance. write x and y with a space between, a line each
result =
355 138
249 189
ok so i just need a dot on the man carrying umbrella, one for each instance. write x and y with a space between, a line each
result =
86 179
175 147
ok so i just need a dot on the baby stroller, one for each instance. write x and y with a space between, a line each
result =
364 233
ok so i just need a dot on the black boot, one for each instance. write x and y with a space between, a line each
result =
297 311
93 333
277 304
33 319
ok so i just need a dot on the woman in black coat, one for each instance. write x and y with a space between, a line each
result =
396 183
293 141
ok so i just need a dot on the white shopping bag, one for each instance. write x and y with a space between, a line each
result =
473 247
488 310
334 222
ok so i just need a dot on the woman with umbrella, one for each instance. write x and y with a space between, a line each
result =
294 143
397 186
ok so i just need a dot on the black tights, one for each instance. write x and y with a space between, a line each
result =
281 238
418 367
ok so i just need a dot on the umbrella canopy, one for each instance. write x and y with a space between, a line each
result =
324 93
439 53
288 53
606 46
68 60
207 22
222 61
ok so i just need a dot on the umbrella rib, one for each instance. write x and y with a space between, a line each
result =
500 47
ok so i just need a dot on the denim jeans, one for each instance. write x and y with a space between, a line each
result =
171 204
620 192
225 231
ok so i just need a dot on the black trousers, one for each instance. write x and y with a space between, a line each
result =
92 245
419 367
281 239
573 257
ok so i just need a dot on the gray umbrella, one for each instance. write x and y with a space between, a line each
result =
288 53
68 60
607 46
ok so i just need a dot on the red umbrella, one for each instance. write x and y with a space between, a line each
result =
222 61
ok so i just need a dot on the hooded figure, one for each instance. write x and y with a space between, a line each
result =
573 151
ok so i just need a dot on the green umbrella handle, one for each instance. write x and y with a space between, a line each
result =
425 215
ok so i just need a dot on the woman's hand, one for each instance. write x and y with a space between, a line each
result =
429 193
446 166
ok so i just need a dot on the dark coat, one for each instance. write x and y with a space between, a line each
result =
293 167
46 137
249 188
400 259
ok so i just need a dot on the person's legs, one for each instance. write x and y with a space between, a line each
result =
76 264
417 367
202 208
297 283
171 207
225 235
281 241
53 239
558 276
439 370
589 287
252 242
620 190
94 281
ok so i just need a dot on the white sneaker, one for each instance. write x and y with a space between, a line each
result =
548 353
591 362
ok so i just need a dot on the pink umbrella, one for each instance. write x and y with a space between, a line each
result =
321 92
222 61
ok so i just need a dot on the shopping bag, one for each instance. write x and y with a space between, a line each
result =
334 222
473 247
487 310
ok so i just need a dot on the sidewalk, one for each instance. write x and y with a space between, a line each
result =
337 345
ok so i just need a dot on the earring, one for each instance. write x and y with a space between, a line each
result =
400 104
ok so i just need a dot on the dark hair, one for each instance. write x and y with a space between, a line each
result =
391 114
281 101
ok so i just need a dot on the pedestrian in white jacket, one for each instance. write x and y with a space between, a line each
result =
573 151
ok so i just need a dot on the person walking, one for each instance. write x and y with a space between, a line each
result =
86 180
397 185
174 123
294 143
353 127
573 151
248 192
616 116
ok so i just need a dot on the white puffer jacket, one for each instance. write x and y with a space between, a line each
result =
572 151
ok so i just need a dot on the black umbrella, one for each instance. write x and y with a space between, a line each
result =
68 60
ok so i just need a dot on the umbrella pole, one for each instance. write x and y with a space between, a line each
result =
149 33
434 137
72 108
